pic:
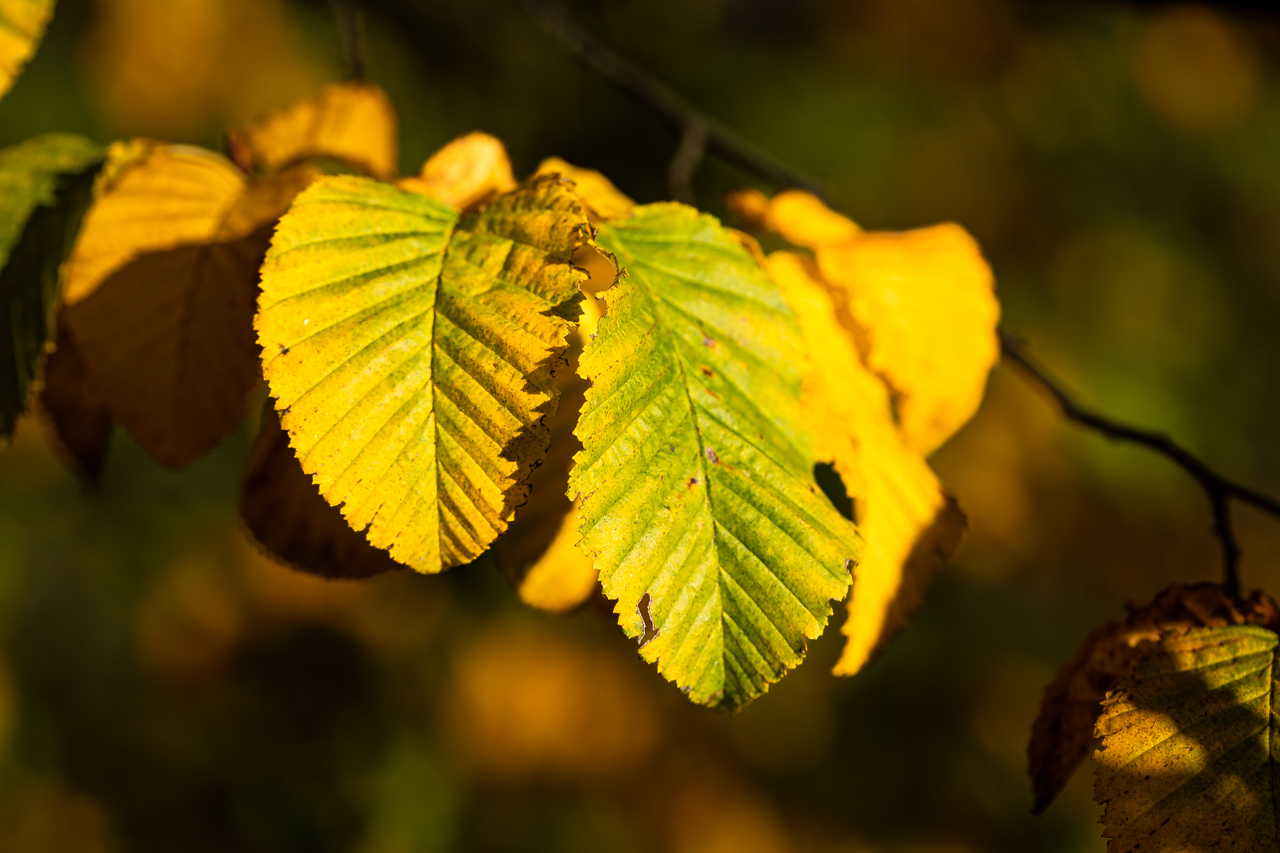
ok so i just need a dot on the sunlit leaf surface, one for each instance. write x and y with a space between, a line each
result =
909 525
602 199
467 172
411 353
45 184
22 24
1189 758
697 493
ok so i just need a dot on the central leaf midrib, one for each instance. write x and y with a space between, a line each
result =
669 343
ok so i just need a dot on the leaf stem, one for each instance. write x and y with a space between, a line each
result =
698 131
1218 489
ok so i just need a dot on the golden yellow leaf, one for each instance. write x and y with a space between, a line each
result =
467 172
908 524
411 353
160 291
352 122
923 306
602 199
22 23
286 515
797 216
564 577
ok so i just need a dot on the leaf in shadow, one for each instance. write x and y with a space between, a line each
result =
286 515
1063 730
79 419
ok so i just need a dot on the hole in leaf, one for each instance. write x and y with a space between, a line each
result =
649 631
833 487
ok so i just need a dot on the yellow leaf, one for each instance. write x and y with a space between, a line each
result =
602 199
467 172
353 122
150 197
287 517
797 216
412 353
159 292
923 306
22 23
908 524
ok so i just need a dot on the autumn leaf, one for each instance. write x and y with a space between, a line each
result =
354 123
920 304
466 173
45 184
22 24
697 494
411 353
909 525
76 414
539 552
596 192
160 288
1063 730
287 517
1187 760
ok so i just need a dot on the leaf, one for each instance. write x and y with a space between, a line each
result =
45 185
920 303
286 515
697 495
411 353
909 525
351 122
539 552
1188 759
160 289
598 194
466 173
79 419
1063 730
22 24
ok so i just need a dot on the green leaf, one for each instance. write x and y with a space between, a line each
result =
1189 746
696 484
45 186
411 354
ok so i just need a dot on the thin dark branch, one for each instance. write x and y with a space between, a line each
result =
665 101
347 14
693 145
1218 489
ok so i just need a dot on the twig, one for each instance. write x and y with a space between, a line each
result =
686 119
1218 489
699 134
347 13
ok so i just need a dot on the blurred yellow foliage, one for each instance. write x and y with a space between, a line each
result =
602 198
1194 69
182 68
352 122
467 172
22 23
526 703
564 576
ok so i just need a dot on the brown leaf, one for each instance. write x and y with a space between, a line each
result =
1063 730
161 289
77 416
286 515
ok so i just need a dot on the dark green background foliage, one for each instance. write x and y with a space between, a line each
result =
165 689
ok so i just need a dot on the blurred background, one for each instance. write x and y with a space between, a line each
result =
164 687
